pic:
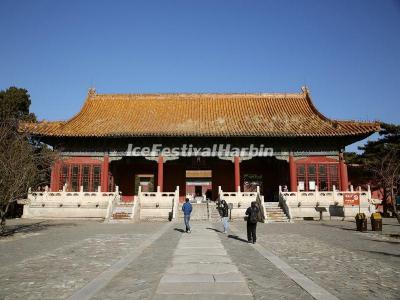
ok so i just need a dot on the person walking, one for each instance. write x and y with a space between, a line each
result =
252 219
225 215
187 210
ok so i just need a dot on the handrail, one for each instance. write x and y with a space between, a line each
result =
285 206
110 207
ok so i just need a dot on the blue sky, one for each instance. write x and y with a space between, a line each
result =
347 52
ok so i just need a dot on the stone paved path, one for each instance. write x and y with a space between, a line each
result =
202 269
59 272
57 259
348 264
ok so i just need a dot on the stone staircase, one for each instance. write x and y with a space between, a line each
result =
199 211
122 211
275 214
214 213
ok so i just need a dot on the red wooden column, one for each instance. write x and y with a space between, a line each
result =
344 182
293 175
236 161
55 176
160 173
104 173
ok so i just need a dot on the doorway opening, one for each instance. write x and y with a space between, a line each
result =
198 185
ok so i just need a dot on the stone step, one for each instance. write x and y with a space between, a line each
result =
275 213
272 204
278 218
119 216
122 211
199 211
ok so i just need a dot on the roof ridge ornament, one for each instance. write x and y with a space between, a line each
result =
91 92
305 89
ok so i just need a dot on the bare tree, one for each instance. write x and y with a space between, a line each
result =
23 164
386 171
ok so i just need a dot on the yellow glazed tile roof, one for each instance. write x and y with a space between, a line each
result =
263 115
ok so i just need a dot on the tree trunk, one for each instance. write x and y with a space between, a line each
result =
3 213
394 206
384 202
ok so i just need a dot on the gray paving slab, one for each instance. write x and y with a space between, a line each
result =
347 263
215 268
264 280
202 297
202 271
201 251
53 259
222 288
316 291
229 277
68 254
200 233
199 246
89 290
176 278
199 258
139 280
204 242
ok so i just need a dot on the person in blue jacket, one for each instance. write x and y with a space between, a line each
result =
187 210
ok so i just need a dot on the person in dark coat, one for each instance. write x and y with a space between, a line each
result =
187 210
252 219
224 215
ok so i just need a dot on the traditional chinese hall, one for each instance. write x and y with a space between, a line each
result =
307 145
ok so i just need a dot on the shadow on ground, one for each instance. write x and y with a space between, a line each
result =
231 236
385 241
235 237
216 230
342 227
382 253
10 230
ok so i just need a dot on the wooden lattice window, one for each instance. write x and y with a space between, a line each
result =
63 177
323 183
301 176
333 177
96 177
75 178
86 178
76 175
311 176
324 175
